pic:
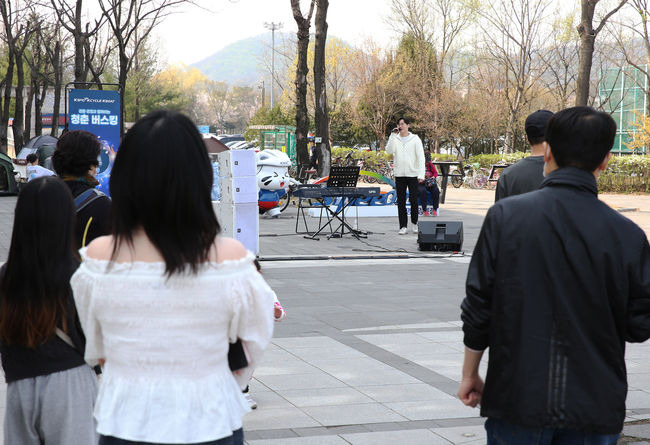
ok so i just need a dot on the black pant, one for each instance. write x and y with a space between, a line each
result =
435 194
401 183
237 438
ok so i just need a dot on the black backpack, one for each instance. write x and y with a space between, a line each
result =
81 201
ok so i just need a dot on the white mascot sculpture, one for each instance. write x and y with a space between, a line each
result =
273 179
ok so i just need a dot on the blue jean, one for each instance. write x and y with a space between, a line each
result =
503 433
424 197
237 438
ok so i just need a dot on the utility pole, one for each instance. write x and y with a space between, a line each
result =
273 27
261 87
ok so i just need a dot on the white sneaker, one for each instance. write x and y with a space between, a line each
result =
252 403
403 231
415 229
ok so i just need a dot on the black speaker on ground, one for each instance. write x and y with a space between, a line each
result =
440 235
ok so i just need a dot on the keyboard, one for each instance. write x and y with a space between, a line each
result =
336 192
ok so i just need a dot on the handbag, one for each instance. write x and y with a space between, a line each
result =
430 182
237 356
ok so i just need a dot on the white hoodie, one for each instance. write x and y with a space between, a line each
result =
408 156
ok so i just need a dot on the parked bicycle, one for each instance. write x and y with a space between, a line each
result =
473 176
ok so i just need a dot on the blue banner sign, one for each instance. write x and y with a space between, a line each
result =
98 112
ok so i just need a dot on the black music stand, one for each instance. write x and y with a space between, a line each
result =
341 179
343 176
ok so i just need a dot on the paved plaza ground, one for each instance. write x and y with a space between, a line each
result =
371 350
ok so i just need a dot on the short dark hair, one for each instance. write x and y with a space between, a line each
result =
162 181
536 140
406 120
31 158
76 151
36 284
580 137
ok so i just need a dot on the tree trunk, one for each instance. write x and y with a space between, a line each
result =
136 84
6 112
320 90
19 108
29 103
588 35
38 110
124 71
57 65
302 115
79 59
587 40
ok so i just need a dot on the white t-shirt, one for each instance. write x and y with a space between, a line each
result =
36 171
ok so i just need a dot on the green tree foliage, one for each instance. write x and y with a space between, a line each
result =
345 130
270 116
139 84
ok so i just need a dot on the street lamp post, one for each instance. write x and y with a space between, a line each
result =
273 27
261 87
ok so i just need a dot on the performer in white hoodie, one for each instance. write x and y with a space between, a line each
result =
408 168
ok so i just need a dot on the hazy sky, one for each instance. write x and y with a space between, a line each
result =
194 34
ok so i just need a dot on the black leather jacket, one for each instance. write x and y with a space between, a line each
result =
557 283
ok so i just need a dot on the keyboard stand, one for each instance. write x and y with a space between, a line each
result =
343 178
301 210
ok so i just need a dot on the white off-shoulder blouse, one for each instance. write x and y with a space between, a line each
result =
165 341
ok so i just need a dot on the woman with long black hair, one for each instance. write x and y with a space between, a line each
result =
161 297
51 390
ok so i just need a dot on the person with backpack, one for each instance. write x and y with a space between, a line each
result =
75 161
51 390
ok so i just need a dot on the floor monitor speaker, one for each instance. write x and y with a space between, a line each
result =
440 235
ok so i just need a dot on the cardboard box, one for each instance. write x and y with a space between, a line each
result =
239 221
239 189
234 163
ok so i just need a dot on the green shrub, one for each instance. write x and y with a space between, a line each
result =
371 159
377 157
443 157
626 174
488 160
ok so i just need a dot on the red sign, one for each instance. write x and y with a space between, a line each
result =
47 119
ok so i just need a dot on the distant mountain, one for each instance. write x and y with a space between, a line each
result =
239 63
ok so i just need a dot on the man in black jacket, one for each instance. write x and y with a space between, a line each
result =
557 284
527 174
